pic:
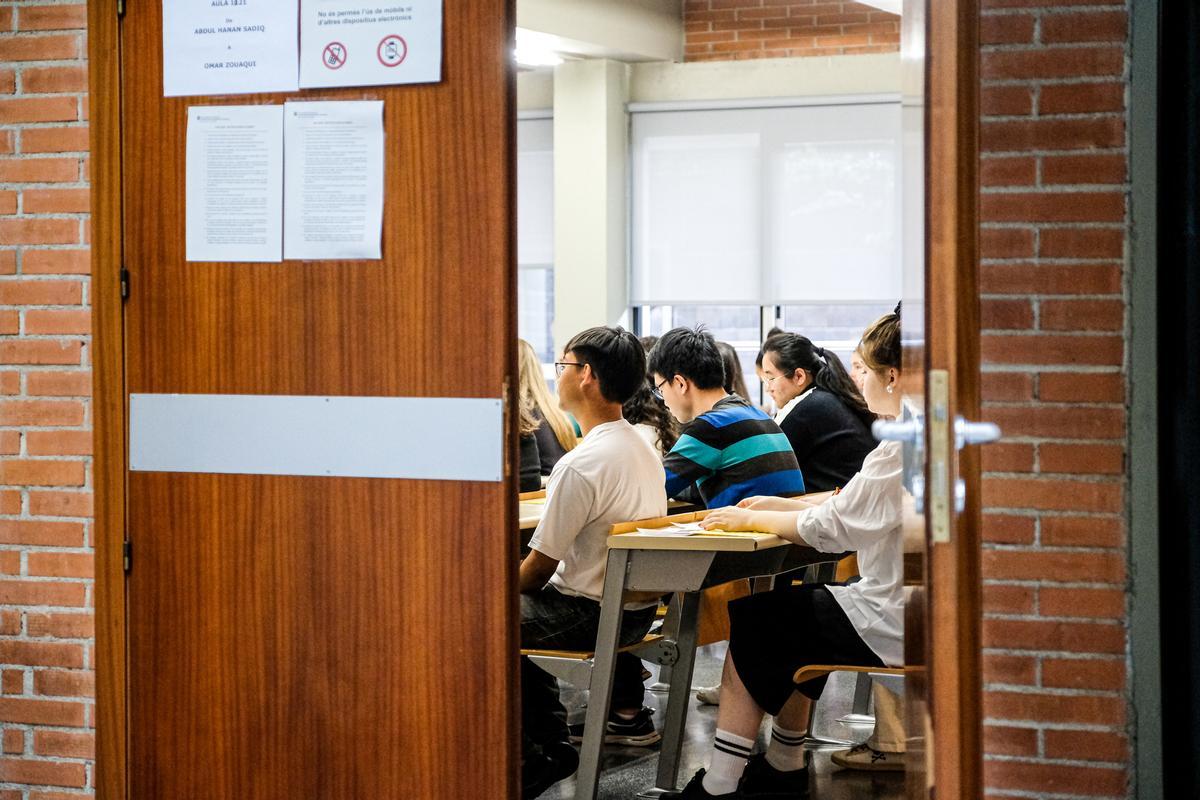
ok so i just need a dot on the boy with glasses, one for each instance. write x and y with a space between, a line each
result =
612 476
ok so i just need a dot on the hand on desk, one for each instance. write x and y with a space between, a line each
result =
760 503
732 518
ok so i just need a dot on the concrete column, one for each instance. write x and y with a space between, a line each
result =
591 146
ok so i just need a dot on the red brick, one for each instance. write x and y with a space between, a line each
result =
1053 708
1009 741
1059 422
1082 459
57 201
1011 386
61 504
10 562
73 139
1006 29
10 323
8 258
59 384
1052 495
40 351
1081 243
64 744
1083 169
60 565
54 80
39 231
714 36
64 683
1053 565
24 472
10 502
1085 26
39 170
1007 599
10 623
7 23
41 412
1082 98
56 17
1012 670
1020 171
10 443
38 109
1098 206
58 322
1069 387
1052 62
41 593
1055 778
1061 350
1086 746
39 48
57 262
1092 603
12 681
1000 136
1007 528
1082 532
59 443
41 532
41 712
1008 457
1002 314
42 654
8 203
41 292
43 773
14 744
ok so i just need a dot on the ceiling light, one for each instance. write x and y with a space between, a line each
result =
536 49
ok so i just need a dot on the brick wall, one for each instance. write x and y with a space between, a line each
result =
1054 224
720 30
46 682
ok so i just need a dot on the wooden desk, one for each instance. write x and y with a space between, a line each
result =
662 564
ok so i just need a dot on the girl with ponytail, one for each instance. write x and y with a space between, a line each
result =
821 410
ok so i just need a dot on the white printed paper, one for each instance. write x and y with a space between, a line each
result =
229 46
234 183
357 43
674 529
334 179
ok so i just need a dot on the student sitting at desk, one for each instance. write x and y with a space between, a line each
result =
555 433
857 624
727 448
612 476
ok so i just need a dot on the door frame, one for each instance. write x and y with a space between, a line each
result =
108 398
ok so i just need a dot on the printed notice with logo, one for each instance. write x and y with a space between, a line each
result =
229 46
356 43
234 183
333 179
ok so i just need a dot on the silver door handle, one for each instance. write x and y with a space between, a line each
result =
966 433
892 431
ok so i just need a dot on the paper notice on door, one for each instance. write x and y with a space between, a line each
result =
333 180
229 46
234 183
356 43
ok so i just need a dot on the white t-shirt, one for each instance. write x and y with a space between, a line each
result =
612 476
867 517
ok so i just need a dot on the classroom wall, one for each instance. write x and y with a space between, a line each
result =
46 627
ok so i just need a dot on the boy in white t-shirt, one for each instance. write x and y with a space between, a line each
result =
612 476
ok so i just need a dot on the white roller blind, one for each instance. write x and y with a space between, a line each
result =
766 205
535 192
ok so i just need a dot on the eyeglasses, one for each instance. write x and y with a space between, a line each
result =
559 366
657 390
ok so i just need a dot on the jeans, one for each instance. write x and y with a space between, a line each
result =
552 620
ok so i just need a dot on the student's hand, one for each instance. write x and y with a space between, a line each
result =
771 504
727 519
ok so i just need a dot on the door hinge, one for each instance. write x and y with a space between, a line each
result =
120 9
124 284
127 549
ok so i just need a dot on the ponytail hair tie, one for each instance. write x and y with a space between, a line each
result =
820 354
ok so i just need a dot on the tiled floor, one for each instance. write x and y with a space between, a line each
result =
629 770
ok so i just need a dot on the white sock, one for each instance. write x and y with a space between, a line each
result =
786 750
727 761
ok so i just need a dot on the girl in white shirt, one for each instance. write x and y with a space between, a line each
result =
775 633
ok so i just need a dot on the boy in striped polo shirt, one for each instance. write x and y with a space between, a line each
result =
728 448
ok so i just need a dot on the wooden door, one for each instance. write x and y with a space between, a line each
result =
309 637
941 324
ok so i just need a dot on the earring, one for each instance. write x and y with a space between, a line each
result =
889 389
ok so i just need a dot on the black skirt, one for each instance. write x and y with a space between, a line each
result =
773 634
